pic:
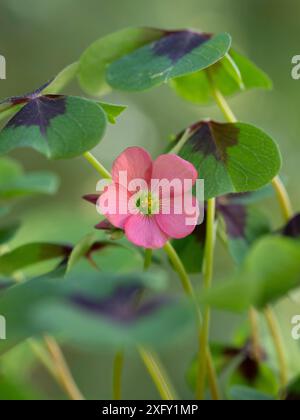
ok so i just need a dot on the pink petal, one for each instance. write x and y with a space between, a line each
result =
113 203
173 167
178 225
144 231
136 162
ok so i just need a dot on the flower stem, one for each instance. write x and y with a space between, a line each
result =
253 318
179 145
283 198
287 211
63 374
149 359
97 165
148 258
279 346
117 375
208 264
179 267
157 374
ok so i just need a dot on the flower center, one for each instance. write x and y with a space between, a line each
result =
147 203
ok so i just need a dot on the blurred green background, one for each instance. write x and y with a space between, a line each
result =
39 38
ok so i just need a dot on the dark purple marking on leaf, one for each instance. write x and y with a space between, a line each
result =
292 229
249 367
16 100
177 44
39 112
121 307
235 217
213 139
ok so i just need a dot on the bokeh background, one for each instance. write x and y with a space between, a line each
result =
38 38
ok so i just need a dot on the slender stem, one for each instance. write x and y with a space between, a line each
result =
212 377
157 374
253 317
179 267
209 243
283 198
287 211
117 375
63 373
42 354
179 145
97 165
207 277
148 258
149 359
220 100
281 192
277 339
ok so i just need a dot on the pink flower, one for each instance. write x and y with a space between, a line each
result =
148 214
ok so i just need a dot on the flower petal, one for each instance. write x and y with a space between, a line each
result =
137 164
113 203
144 231
182 218
172 167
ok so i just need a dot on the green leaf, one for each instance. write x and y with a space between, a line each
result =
30 184
30 254
233 74
244 225
243 393
4 211
236 366
11 391
8 232
93 63
57 126
176 54
231 157
80 250
293 390
112 111
14 183
95 310
270 272
10 111
191 249
62 79
86 248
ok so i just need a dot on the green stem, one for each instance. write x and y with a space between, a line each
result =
253 318
42 354
97 165
62 372
148 258
117 375
179 267
287 211
279 346
157 374
208 264
149 359
188 288
283 198
179 145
